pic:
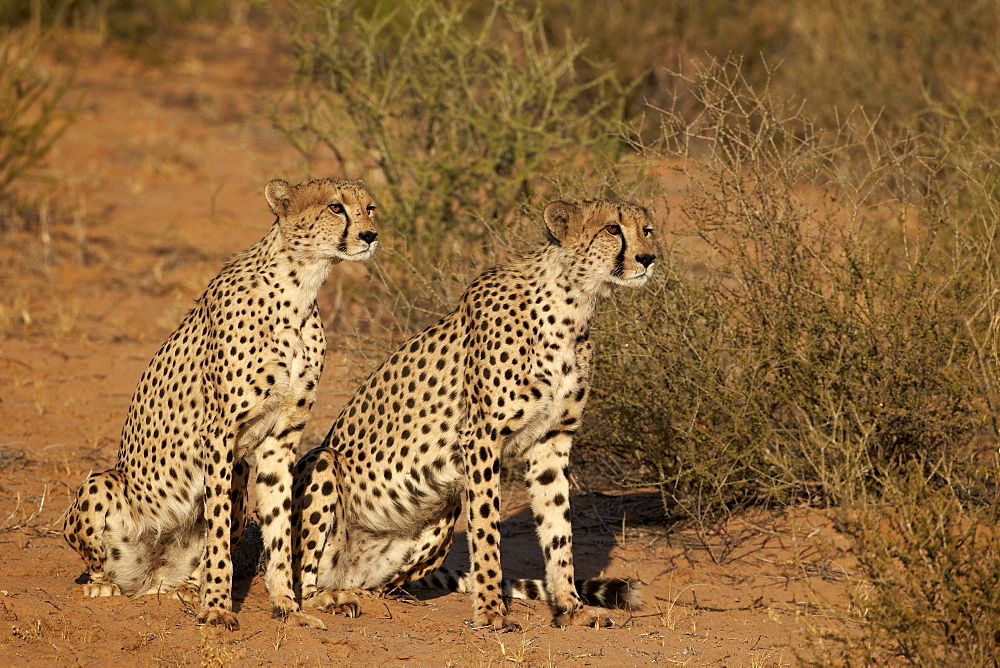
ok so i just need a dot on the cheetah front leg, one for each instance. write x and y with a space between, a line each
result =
482 466
217 574
274 501
319 529
548 487
238 499
192 550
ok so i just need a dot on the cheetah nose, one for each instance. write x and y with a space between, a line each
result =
368 236
645 259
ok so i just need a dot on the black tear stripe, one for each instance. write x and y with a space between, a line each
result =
620 259
347 226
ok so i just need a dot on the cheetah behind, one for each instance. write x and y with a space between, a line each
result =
233 385
505 374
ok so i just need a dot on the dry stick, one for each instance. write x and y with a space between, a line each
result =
17 506
244 638
756 603
188 608
600 518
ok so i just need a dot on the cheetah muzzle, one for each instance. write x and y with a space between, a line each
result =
504 375
232 386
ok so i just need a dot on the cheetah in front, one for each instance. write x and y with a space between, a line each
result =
232 386
504 375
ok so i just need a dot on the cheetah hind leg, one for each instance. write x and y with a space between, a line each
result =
121 559
85 526
316 496
189 591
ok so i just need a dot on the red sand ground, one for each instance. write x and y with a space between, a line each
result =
167 165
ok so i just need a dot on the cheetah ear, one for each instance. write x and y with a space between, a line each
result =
558 217
279 196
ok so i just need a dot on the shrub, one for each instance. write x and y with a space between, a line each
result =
823 327
143 26
823 337
826 332
901 60
33 107
466 121
929 555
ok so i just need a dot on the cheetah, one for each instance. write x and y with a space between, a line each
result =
231 387
504 375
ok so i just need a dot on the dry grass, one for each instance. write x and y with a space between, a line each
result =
34 107
884 56
217 650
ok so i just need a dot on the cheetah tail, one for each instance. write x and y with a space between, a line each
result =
618 593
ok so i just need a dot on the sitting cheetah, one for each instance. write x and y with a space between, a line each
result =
233 385
504 375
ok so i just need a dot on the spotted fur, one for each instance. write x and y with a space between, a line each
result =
232 386
504 375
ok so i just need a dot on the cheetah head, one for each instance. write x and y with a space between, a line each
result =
610 241
325 219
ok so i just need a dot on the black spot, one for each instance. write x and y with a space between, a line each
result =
547 477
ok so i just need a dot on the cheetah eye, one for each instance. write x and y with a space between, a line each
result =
613 229
648 231
371 209
337 208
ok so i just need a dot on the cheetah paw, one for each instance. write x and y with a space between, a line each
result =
586 616
338 602
217 616
99 589
299 618
496 622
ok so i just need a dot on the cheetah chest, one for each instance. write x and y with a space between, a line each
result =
284 387
556 391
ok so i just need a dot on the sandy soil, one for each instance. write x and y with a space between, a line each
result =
165 169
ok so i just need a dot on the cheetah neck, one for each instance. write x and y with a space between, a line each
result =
563 280
298 275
